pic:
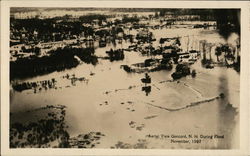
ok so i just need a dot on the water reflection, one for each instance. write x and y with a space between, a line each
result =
146 80
146 89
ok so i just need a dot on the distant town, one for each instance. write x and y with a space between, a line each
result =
35 36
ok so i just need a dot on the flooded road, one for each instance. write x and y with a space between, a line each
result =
113 102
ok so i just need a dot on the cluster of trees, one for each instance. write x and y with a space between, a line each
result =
60 59
115 55
181 70
41 133
109 32
133 19
228 55
35 50
46 84
51 29
228 21
58 28
90 18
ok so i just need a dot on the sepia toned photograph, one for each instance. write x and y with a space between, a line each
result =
118 77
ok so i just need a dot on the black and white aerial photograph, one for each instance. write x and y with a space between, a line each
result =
124 78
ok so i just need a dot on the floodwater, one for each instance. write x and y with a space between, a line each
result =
112 101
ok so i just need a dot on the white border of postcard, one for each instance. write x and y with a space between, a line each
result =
244 75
